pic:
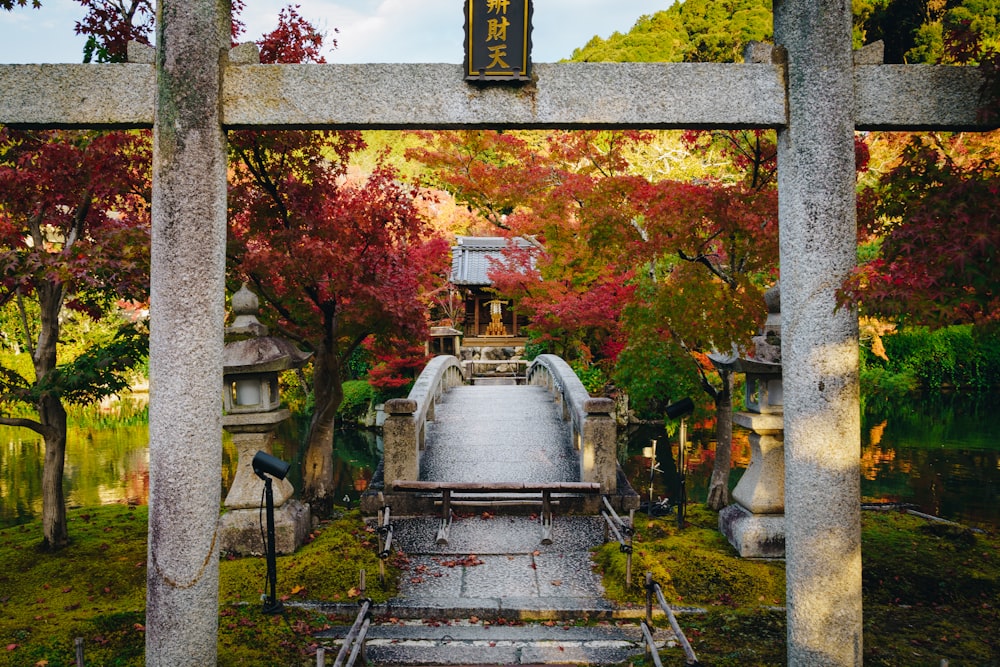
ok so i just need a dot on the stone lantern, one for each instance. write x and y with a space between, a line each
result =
755 523
252 411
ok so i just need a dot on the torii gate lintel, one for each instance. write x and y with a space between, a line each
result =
434 96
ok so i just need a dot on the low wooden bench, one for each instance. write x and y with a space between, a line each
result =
545 489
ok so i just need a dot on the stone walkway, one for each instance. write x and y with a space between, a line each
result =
495 594
498 433
497 568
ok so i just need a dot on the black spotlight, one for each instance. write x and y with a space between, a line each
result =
680 410
264 463
267 467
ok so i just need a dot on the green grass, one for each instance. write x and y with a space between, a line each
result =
96 589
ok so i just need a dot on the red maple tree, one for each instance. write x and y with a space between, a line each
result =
936 231
74 234
335 259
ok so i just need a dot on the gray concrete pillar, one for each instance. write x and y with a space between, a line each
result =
816 186
599 447
187 308
400 442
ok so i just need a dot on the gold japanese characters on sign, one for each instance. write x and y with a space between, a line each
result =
498 40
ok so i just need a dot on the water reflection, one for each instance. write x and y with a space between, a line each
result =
943 456
111 465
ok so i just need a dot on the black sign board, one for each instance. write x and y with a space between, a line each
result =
498 40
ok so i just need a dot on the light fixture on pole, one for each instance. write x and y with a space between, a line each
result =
267 467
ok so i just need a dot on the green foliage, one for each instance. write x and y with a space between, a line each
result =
692 31
535 347
655 371
358 399
591 376
294 388
718 30
102 369
359 362
960 357
913 32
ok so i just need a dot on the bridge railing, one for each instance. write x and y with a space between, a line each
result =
403 433
593 429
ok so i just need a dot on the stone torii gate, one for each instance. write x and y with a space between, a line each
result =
813 94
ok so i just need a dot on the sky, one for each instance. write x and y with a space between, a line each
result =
400 31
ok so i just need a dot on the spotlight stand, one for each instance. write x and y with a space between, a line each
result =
272 605
266 467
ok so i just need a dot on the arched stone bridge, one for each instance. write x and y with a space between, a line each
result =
490 444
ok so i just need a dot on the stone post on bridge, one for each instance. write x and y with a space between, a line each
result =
401 443
599 445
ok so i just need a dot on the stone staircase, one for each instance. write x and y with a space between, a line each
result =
472 641
495 595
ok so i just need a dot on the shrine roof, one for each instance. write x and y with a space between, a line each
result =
471 255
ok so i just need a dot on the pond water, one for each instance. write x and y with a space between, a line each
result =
943 457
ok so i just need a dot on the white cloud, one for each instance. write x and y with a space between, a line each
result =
369 30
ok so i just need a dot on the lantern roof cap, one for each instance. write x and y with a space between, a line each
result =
246 305
252 350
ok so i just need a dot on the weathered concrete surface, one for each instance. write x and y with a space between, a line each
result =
498 434
593 431
434 95
647 95
107 95
187 305
240 529
403 431
917 97
761 489
753 535
463 642
497 568
816 208
494 570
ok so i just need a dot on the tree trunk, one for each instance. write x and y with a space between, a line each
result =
52 416
718 488
317 463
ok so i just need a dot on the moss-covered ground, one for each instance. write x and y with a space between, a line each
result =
931 592
95 589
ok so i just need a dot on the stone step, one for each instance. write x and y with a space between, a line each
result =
470 642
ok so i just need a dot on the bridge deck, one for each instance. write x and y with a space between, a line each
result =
497 433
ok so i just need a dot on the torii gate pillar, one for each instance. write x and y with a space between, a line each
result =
817 213
187 301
